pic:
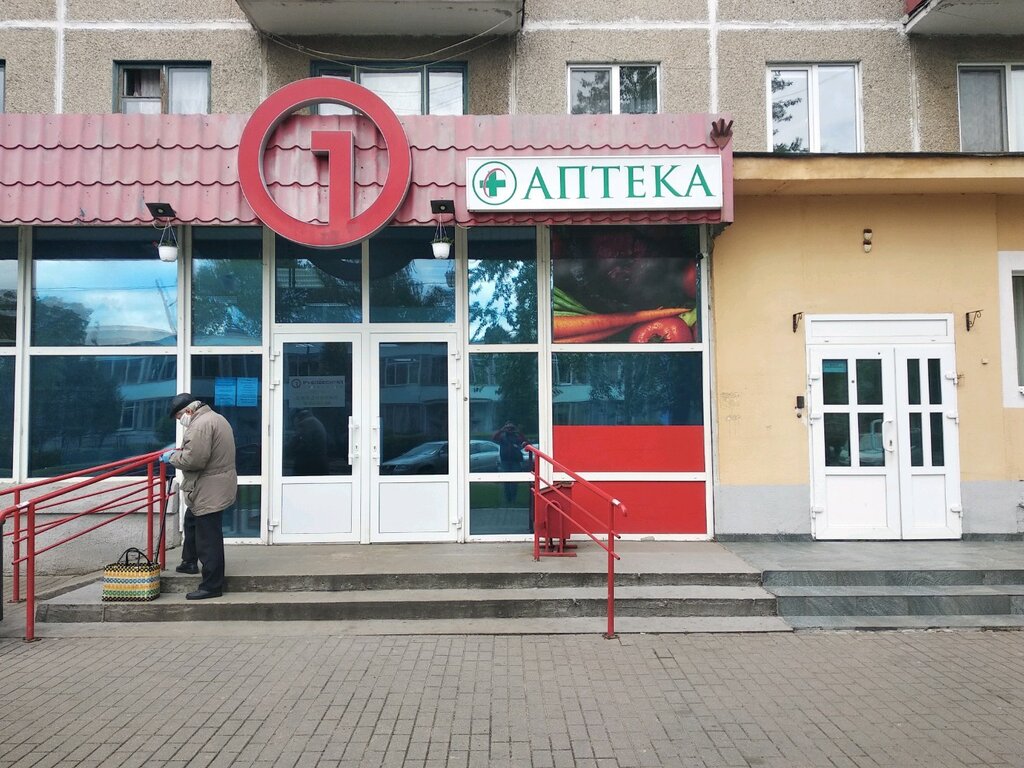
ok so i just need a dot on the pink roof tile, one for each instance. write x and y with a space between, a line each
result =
99 169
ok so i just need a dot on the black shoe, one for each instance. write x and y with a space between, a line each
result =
187 568
201 594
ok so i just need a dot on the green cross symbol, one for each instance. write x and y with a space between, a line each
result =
491 184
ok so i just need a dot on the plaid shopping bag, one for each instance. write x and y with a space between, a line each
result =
134 578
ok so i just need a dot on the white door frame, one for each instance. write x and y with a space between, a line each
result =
901 338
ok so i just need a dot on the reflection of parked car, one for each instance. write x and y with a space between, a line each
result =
432 459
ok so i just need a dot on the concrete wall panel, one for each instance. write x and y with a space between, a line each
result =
993 507
810 10
763 510
24 10
935 65
543 56
29 69
886 94
487 65
147 10
90 55
603 11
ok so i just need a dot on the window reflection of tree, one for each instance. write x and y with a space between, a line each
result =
227 299
503 303
781 113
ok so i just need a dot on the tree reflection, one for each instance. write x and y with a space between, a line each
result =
503 301
781 114
227 300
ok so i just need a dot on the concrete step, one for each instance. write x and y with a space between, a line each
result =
868 623
911 600
527 579
888 578
651 602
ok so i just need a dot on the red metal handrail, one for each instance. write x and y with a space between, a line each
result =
148 492
551 489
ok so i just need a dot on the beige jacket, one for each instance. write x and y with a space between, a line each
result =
207 460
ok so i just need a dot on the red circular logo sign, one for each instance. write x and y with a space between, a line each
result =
343 227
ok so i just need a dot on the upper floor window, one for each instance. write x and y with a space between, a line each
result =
409 89
3 84
813 108
628 89
155 89
992 108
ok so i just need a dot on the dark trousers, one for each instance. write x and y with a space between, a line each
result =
204 541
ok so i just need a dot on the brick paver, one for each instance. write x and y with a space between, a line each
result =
856 700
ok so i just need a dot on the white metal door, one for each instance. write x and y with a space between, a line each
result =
412 426
855 472
316 431
884 442
928 436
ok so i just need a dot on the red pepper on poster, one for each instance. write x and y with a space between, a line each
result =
665 329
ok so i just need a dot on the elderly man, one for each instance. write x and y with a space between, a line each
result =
207 460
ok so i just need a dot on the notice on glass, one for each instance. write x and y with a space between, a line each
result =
224 390
247 392
316 392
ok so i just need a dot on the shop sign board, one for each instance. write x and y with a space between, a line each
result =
584 183
316 392
344 226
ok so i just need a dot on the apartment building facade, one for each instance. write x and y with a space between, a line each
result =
844 363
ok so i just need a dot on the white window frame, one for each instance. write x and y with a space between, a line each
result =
1014 132
813 120
1011 264
165 68
3 84
615 84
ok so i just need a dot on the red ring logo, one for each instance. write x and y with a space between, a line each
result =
342 228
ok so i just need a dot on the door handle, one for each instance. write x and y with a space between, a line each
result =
353 445
888 441
375 441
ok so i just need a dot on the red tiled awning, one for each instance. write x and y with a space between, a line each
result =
100 169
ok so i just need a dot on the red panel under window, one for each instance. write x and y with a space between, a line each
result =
672 507
630 449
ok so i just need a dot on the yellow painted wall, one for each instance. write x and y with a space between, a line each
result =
788 254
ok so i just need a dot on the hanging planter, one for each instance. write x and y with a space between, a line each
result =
441 245
167 248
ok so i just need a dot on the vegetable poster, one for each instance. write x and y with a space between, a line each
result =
636 285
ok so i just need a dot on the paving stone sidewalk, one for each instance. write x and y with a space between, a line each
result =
856 700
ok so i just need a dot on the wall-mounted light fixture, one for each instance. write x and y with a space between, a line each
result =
163 214
971 318
868 237
441 245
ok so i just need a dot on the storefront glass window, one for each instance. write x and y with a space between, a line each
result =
7 416
232 384
243 520
499 508
627 389
90 410
317 408
101 287
8 285
503 285
648 277
227 285
502 411
407 285
316 285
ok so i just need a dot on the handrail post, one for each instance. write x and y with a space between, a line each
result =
149 510
16 549
611 572
30 574
162 544
536 507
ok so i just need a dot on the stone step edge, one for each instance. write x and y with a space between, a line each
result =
891 577
907 622
909 590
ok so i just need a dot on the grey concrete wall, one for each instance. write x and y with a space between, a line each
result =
147 10
541 70
234 57
29 67
603 11
810 10
936 60
488 65
763 509
24 10
885 66
993 506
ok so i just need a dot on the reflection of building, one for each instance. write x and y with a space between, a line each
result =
844 246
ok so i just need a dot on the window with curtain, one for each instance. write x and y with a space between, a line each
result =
605 89
161 88
991 108
409 89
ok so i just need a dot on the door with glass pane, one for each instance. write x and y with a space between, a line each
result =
316 446
412 433
884 442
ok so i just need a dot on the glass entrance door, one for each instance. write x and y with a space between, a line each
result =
413 464
316 448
